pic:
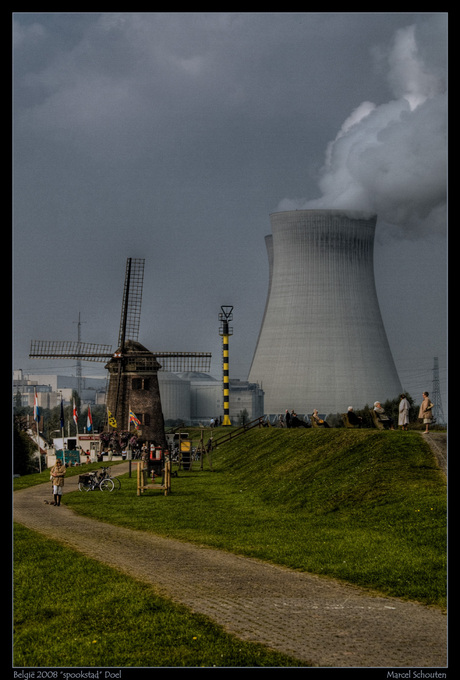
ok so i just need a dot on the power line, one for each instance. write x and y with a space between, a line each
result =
436 393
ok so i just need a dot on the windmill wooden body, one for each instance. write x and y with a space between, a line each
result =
133 397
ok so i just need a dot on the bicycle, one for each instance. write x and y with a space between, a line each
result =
105 474
102 481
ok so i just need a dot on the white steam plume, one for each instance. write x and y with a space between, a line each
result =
391 159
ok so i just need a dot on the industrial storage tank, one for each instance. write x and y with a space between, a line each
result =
175 397
206 399
322 342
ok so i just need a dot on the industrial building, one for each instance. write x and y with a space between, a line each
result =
190 397
196 397
322 343
51 388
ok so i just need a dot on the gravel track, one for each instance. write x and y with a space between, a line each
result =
317 620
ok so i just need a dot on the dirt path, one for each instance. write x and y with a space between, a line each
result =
437 442
317 620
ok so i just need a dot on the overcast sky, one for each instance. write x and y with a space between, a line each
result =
173 136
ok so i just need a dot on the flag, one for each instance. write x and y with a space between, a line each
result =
36 409
75 414
112 421
62 415
134 419
89 421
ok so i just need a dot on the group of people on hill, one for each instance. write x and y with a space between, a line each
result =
290 418
425 414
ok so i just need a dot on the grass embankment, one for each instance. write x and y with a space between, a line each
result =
367 507
364 506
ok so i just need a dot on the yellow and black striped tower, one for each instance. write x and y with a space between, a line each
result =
225 331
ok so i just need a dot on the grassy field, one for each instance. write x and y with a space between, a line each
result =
364 506
70 611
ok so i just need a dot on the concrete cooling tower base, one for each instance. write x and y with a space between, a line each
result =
322 343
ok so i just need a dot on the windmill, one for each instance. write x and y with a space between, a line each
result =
133 369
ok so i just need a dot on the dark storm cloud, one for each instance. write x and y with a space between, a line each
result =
172 136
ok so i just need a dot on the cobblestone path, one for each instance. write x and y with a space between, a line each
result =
315 619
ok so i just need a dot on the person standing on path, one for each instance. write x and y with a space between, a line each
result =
57 475
425 411
403 418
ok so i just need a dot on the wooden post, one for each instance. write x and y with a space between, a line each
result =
139 463
167 482
141 482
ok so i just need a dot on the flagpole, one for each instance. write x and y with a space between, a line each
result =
37 421
39 453
62 430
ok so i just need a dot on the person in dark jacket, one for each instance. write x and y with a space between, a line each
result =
353 419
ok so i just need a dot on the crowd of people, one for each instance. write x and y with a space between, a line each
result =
291 419
425 416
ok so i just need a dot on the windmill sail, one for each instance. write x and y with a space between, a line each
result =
180 362
68 349
132 301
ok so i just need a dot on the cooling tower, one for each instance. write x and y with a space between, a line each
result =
322 343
